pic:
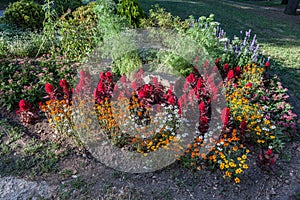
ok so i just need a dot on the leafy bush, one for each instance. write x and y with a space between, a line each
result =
62 7
25 78
25 14
108 22
158 17
78 32
131 10
22 44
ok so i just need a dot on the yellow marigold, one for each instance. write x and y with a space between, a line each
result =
228 174
222 165
238 171
245 166
244 156
237 180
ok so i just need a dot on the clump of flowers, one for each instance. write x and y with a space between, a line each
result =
26 113
58 110
134 113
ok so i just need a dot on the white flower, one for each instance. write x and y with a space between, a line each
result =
273 127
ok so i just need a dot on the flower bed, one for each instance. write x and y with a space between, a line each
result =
258 118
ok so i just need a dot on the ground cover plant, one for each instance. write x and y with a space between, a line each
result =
257 121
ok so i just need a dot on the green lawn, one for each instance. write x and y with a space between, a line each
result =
278 34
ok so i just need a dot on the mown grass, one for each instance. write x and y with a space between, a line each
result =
278 34
273 3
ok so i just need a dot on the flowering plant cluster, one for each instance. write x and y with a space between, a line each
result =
58 110
25 78
154 114
133 112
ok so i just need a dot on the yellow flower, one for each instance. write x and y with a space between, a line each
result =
237 180
245 166
222 165
238 171
244 157
272 137
228 174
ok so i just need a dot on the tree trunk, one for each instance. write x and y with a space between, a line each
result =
284 2
291 7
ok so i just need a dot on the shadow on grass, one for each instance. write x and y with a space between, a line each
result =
24 154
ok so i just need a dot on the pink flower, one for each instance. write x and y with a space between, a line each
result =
134 85
123 79
155 81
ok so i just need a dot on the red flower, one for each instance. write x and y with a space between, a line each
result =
63 83
243 125
217 61
230 74
268 64
269 152
40 104
238 69
225 116
199 83
202 107
191 78
102 75
108 75
100 86
249 84
226 67
23 105
203 119
171 100
142 93
272 161
49 88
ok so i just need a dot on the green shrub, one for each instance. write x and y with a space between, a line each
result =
78 32
62 6
131 10
159 17
22 44
25 14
